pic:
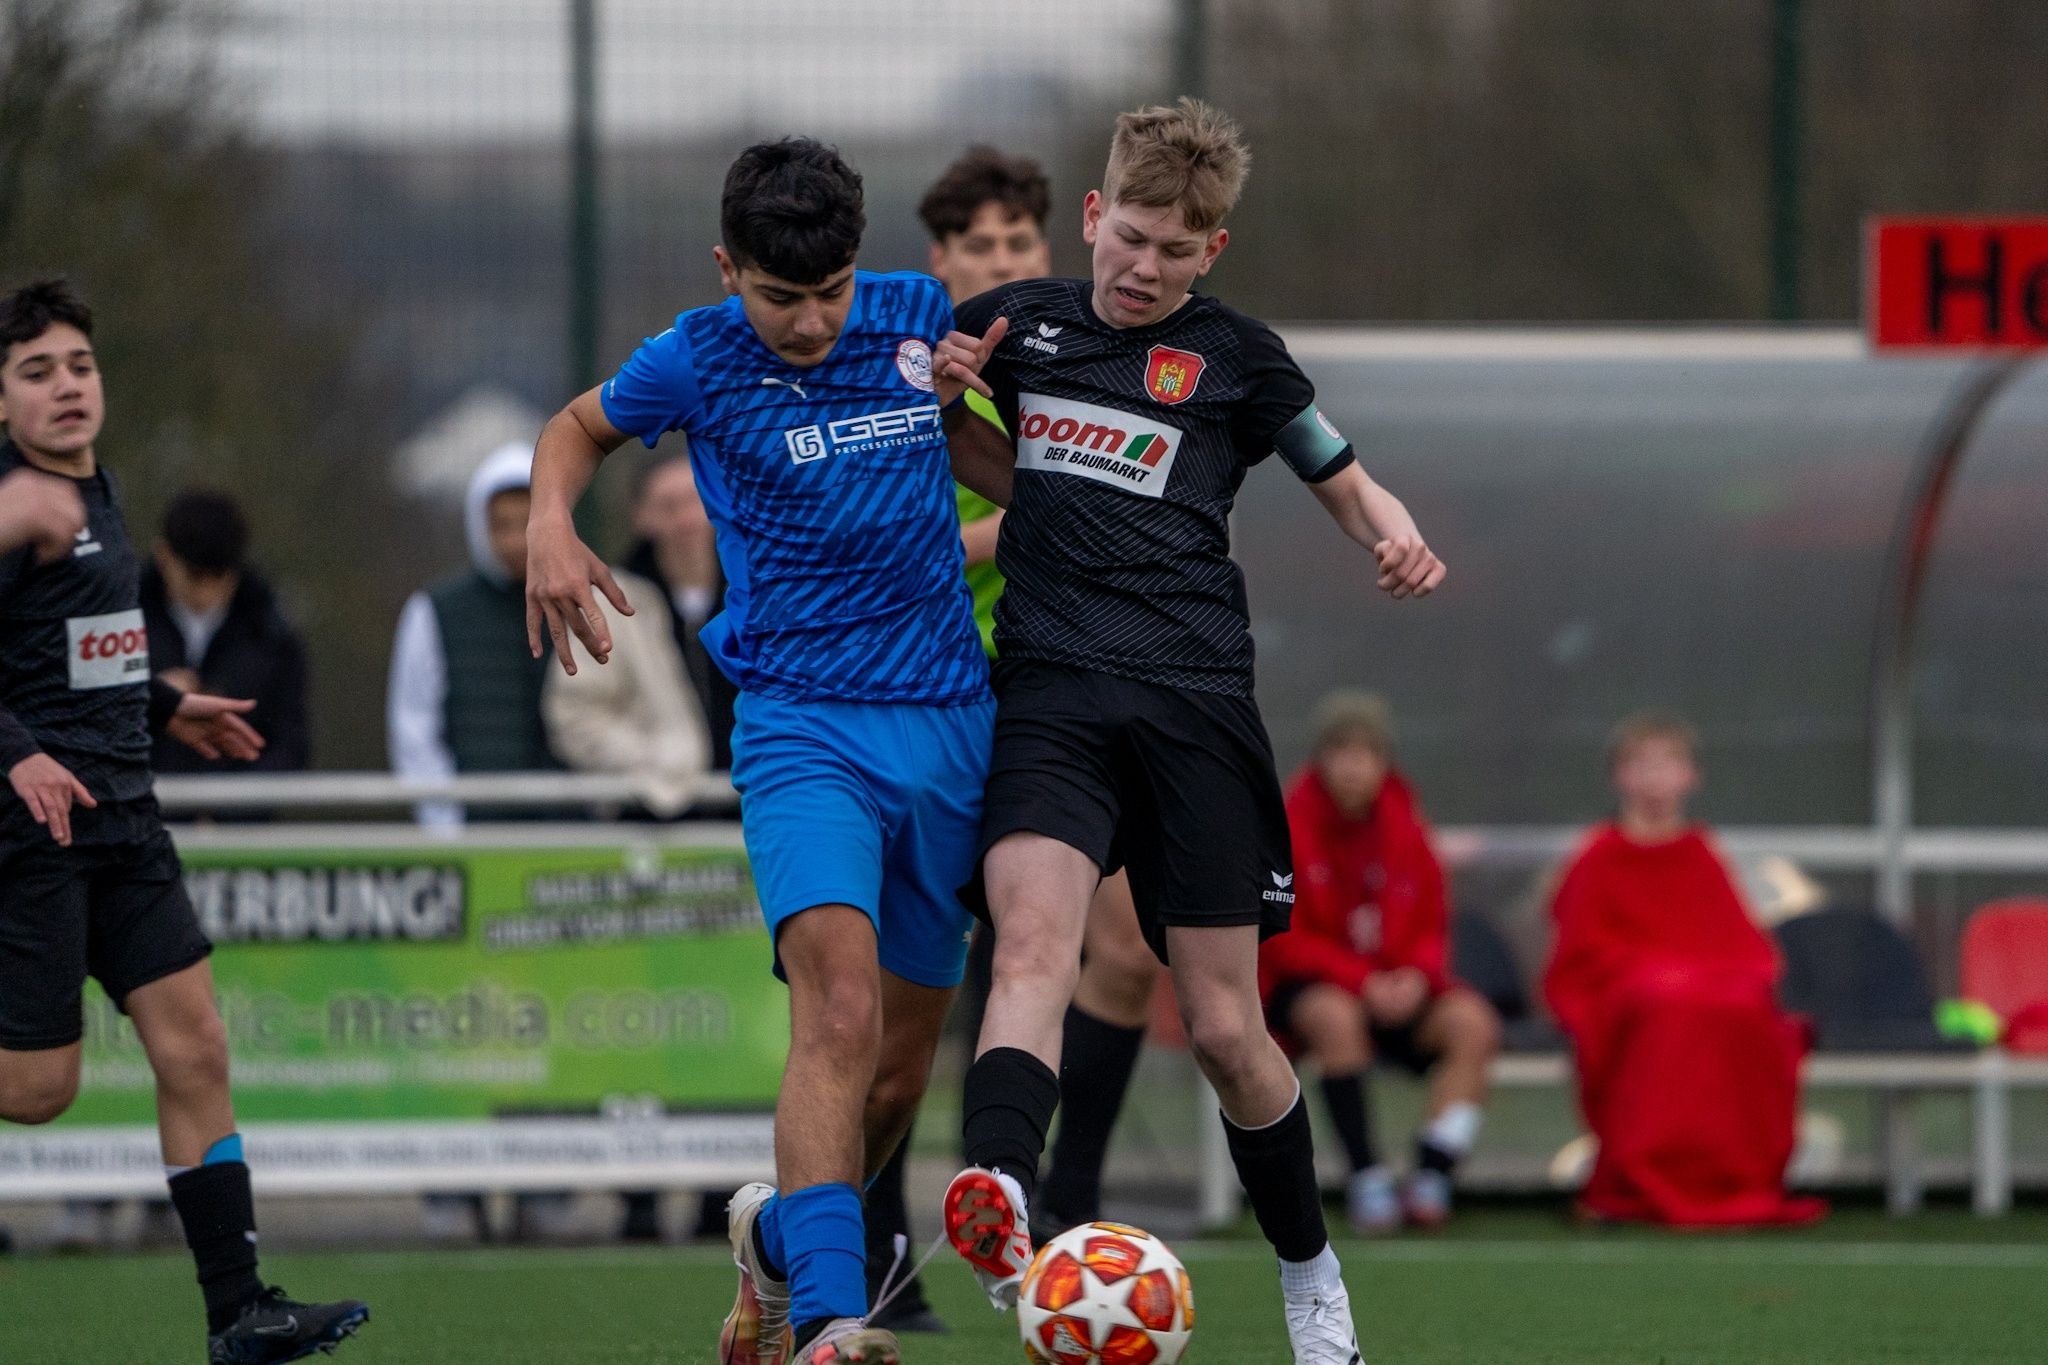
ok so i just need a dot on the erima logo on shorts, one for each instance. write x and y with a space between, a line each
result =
1282 890
854 435
107 651
1108 445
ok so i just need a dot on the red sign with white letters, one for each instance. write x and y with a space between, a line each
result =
1957 282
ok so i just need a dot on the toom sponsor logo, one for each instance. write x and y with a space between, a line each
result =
330 904
868 432
107 651
1060 436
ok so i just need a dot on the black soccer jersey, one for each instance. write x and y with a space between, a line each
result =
74 657
1131 444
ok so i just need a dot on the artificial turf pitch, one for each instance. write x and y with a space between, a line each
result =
1499 1287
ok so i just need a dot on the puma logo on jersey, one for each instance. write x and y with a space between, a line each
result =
793 385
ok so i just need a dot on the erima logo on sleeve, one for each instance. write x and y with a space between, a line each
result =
1108 445
107 651
1282 892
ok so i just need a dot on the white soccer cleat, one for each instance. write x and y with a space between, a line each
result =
756 1331
988 1224
1319 1328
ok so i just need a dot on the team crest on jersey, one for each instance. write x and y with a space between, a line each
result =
1171 376
914 361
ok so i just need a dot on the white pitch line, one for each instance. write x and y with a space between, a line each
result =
1707 1250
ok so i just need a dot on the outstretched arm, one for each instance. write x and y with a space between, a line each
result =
983 458
560 568
1375 518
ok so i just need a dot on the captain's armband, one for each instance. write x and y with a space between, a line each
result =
1312 446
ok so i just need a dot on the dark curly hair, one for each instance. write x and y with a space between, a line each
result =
35 308
982 176
793 208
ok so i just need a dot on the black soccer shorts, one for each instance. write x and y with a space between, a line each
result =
112 906
1175 786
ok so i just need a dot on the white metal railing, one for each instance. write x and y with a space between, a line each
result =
368 791
1816 847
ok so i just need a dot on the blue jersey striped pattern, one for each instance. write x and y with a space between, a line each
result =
831 494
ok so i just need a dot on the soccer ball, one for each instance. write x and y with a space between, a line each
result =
1105 1294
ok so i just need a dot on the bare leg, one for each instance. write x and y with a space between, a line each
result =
835 1026
1216 977
1465 1032
1118 970
1331 1023
36 1087
1038 891
181 1030
911 1018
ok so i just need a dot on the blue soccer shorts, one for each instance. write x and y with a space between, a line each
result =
876 805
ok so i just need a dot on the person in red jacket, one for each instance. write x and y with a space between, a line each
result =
1688 1068
1363 972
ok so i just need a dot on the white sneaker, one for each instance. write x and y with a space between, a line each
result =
1372 1202
756 1331
1319 1329
988 1224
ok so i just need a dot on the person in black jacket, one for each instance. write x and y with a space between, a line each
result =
90 883
215 626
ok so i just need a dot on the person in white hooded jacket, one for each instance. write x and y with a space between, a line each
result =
465 695
639 715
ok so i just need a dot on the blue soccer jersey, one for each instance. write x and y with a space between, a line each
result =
831 494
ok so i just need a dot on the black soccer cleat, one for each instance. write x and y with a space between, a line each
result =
277 1328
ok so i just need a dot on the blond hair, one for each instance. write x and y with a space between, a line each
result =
1641 726
1191 155
1351 716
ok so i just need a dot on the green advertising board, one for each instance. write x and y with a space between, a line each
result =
472 979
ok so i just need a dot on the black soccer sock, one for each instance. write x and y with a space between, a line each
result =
1345 1098
1096 1062
1277 1166
1007 1104
887 1216
1430 1157
219 1215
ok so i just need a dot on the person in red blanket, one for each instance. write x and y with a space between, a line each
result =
1688 1069
1363 973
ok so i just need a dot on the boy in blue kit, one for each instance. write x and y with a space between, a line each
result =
812 398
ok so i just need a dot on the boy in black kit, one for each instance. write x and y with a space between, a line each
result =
89 881
1126 734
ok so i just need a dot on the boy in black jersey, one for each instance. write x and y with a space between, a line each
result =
1126 734
89 881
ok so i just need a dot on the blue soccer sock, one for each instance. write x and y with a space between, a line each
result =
821 1233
